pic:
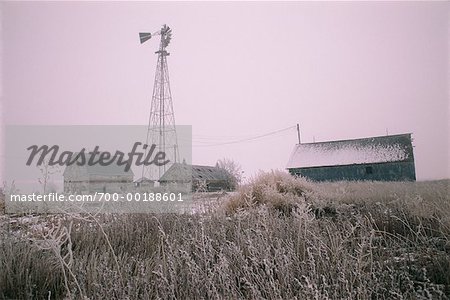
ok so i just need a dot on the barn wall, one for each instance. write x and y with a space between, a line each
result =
394 171
110 183
81 187
213 185
100 183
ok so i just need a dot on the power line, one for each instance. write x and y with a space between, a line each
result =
212 141
221 137
248 139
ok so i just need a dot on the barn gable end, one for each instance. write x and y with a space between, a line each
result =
96 178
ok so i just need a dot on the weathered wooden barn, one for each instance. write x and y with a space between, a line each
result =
87 179
383 158
195 177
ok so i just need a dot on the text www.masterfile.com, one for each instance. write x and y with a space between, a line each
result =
97 197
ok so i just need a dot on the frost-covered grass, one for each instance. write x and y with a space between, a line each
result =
276 238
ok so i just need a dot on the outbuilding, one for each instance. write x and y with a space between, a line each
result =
382 158
88 179
196 177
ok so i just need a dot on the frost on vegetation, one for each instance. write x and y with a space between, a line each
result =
277 190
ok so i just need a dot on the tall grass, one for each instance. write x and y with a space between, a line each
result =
277 238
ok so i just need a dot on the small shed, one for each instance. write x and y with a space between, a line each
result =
382 158
144 182
196 177
87 179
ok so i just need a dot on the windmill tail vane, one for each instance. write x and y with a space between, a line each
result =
165 32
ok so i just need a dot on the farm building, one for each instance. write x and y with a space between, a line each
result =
195 177
87 179
144 182
383 158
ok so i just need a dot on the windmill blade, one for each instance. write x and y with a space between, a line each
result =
167 35
164 29
144 36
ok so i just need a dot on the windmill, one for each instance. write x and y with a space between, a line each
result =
161 129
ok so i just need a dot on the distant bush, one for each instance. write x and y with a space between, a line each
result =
233 172
277 190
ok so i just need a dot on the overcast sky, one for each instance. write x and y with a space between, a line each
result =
237 70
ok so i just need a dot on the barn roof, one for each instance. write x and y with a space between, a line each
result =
109 170
185 171
392 148
143 179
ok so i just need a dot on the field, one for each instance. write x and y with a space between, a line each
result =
276 238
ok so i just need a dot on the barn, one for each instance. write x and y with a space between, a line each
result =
88 179
382 158
196 177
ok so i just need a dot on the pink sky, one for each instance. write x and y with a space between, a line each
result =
341 70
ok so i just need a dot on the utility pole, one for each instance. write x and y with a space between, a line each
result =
298 133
